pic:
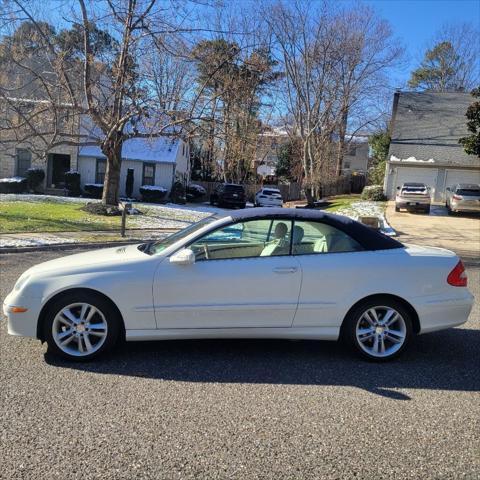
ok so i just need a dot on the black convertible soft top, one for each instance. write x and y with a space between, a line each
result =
369 238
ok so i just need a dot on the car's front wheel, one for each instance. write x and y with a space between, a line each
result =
379 329
81 326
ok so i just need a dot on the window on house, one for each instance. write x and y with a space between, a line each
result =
148 174
100 169
24 161
346 164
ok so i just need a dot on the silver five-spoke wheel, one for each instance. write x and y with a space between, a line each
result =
79 329
381 331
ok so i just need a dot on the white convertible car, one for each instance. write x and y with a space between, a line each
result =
258 273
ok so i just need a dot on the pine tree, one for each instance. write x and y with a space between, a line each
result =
471 143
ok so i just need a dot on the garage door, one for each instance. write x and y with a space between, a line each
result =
461 176
428 176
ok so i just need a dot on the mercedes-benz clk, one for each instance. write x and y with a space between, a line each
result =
258 273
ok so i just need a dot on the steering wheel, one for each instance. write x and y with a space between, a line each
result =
207 252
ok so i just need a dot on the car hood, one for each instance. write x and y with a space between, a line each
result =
88 261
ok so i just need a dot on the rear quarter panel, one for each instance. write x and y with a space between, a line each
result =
333 283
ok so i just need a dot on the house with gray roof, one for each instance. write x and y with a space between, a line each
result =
425 130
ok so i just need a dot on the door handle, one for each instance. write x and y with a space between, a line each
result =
285 269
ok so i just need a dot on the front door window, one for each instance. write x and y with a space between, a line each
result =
254 238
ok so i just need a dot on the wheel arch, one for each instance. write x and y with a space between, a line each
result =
43 311
405 303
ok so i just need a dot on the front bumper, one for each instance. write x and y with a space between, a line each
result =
22 324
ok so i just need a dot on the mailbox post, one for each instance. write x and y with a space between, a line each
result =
124 207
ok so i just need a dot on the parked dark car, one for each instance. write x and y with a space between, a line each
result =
229 195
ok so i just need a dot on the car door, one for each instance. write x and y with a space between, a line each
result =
335 270
243 277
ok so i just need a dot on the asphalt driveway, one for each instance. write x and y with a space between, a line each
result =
460 233
240 409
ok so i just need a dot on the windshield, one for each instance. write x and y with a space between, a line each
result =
160 245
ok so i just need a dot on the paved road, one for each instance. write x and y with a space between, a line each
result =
240 409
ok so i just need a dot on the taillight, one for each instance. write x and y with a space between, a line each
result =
458 276
457 197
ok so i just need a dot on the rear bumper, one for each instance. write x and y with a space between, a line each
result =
438 314
269 203
412 204
462 207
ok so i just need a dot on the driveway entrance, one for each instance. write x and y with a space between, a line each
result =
460 233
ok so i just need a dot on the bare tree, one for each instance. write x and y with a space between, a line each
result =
335 63
109 94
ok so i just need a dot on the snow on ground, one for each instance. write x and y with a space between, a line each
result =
25 197
368 209
44 239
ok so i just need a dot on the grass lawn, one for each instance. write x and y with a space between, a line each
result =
51 217
340 202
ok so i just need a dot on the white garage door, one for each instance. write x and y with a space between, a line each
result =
428 176
461 176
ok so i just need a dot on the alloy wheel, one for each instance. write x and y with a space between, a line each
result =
381 331
79 329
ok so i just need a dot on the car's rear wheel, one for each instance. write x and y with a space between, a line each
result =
81 326
379 329
397 209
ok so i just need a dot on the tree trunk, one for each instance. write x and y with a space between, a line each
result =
342 131
111 185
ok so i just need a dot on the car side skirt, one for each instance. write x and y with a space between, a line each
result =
312 333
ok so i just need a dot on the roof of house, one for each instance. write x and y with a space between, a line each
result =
159 150
426 127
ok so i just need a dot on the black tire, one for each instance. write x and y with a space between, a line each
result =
397 209
427 210
349 326
243 205
104 306
212 200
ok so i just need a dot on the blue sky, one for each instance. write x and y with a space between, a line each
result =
414 22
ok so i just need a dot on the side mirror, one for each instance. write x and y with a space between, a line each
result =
183 257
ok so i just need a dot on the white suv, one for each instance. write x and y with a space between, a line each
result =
268 197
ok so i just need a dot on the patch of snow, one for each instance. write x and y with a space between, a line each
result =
368 209
12 180
198 188
153 188
45 239
25 197
393 158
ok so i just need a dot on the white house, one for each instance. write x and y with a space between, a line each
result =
157 161
425 130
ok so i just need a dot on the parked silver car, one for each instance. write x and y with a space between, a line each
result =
463 197
413 196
